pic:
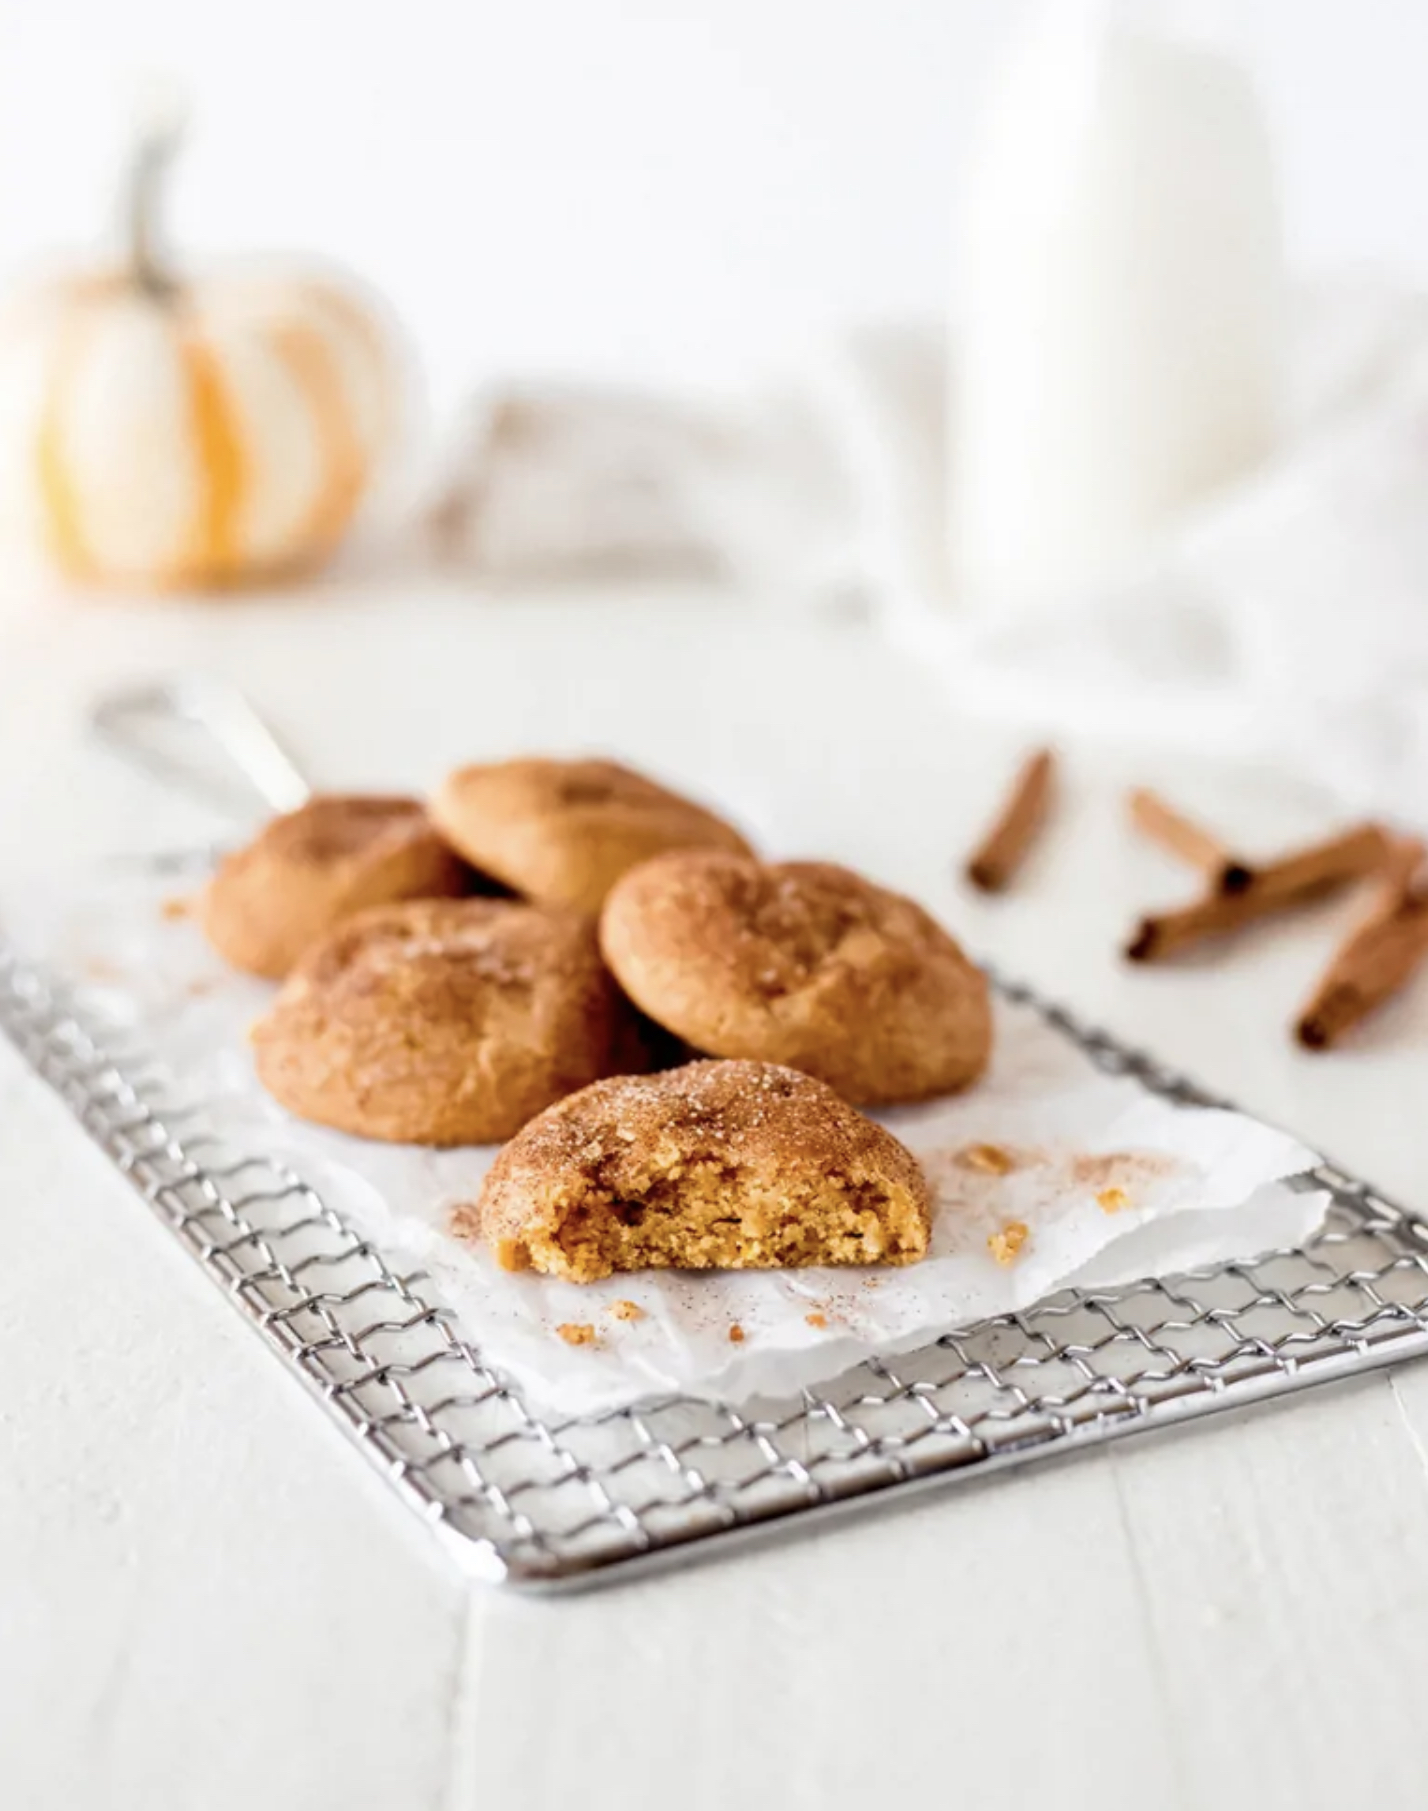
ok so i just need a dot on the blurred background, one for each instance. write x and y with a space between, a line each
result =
652 188
666 289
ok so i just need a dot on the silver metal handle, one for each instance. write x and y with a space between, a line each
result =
139 723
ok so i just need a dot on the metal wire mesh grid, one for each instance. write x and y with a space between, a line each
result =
545 1503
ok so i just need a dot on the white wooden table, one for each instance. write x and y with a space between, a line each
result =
206 1599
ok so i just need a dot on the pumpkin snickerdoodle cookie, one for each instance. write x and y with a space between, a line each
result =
723 1165
444 1022
562 832
309 869
801 963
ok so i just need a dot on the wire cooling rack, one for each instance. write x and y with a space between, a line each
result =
552 1503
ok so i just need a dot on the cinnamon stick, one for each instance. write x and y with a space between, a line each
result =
1307 874
1163 824
995 861
1377 960
1401 878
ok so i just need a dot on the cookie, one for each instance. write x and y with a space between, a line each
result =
308 870
801 963
715 1166
563 832
444 1022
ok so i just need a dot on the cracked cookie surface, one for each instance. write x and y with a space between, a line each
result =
802 963
309 869
562 832
445 1022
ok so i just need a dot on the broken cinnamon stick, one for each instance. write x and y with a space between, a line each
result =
1293 880
995 861
1163 824
1377 960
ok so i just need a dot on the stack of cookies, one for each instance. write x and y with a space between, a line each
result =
537 953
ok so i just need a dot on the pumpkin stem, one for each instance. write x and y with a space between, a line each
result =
154 151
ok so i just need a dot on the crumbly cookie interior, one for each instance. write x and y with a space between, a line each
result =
713 1214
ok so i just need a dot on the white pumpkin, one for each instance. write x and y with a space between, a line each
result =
160 433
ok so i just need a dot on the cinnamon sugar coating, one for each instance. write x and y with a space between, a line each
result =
718 1165
309 869
562 832
445 1022
802 963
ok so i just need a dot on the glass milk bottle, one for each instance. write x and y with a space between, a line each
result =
1120 317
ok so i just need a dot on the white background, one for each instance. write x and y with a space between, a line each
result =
664 187
205 1599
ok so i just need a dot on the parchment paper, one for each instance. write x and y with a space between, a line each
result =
1109 1182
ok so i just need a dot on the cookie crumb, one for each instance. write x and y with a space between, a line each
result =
627 1311
576 1333
178 905
736 1335
1005 1245
990 1159
816 1320
1112 1200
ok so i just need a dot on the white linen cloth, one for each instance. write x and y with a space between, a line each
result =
1286 622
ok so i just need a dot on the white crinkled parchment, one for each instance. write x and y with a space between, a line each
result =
1111 1183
